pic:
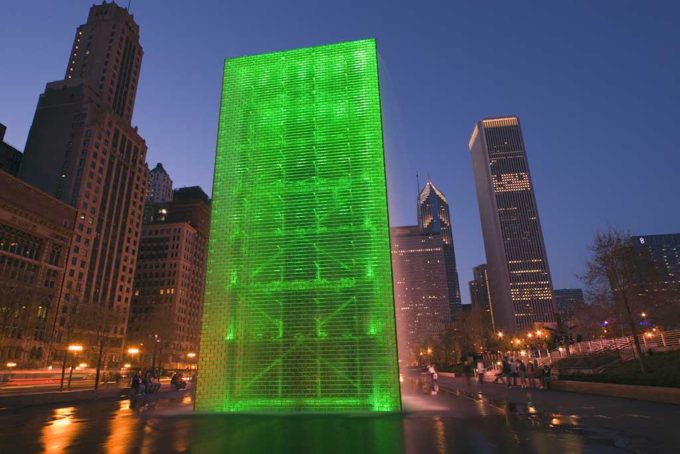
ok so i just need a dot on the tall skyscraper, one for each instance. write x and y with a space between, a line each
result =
10 157
420 288
519 276
434 217
299 310
167 302
479 294
83 150
160 185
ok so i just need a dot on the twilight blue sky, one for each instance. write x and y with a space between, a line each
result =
596 84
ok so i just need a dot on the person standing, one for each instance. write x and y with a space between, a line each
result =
514 369
531 374
547 371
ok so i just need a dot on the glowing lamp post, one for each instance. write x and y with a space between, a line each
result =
74 349
133 351
191 357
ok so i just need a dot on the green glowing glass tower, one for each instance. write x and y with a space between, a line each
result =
299 310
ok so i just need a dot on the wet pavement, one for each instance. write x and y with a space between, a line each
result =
460 418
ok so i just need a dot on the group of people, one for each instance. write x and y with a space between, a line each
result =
516 372
146 382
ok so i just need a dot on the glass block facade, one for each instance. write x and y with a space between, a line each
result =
299 311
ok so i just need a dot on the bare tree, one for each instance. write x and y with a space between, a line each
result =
615 271
96 324
20 317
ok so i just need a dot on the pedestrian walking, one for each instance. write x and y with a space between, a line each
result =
467 371
522 369
433 378
480 372
507 371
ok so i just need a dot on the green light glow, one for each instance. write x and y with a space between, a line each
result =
299 311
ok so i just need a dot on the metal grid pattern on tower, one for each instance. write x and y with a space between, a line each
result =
299 311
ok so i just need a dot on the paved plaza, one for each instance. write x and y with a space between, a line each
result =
460 418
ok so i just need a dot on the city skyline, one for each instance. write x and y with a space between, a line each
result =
578 138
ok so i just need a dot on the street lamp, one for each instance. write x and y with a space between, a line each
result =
500 334
191 356
132 351
11 365
71 348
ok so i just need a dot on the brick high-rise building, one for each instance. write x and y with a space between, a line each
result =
35 235
83 149
169 282
10 157
420 288
519 276
160 185
434 217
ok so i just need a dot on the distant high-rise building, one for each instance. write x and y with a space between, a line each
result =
160 185
479 294
661 297
664 253
35 235
83 150
567 300
519 276
167 302
10 157
434 217
189 204
420 288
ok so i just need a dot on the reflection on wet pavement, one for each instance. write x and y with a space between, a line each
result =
59 431
453 421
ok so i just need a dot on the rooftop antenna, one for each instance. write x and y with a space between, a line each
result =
128 7
417 183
